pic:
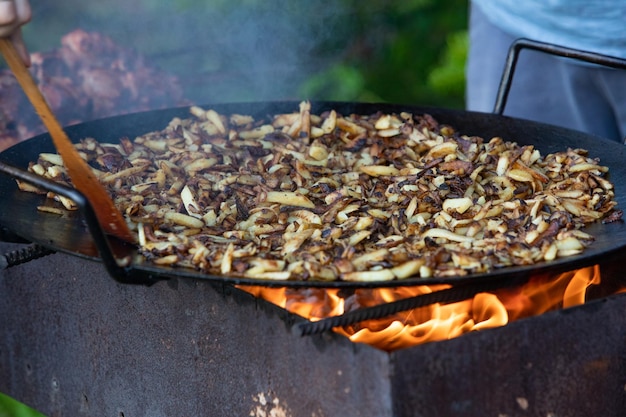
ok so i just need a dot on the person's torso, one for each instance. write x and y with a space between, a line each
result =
595 26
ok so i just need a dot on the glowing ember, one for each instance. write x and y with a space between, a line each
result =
437 321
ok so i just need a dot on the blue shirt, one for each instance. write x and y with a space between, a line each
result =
588 25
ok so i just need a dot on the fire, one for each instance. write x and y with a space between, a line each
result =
438 321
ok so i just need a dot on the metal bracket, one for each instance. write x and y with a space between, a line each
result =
117 268
23 255
449 295
518 45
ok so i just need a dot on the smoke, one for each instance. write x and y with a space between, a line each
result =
263 51
221 51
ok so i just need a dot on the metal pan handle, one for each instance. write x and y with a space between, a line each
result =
518 45
118 270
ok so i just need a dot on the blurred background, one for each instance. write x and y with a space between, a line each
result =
95 59
98 59
397 51
404 51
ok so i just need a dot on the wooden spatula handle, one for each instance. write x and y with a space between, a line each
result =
81 174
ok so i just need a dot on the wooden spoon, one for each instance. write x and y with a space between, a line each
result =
80 173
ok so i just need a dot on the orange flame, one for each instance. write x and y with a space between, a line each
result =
438 321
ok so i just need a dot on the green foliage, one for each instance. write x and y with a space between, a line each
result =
340 82
12 408
448 79
405 51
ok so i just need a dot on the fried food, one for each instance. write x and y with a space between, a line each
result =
328 197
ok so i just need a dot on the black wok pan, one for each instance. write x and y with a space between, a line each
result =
77 234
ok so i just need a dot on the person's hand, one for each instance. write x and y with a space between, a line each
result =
14 14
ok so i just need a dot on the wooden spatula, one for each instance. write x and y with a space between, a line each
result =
80 173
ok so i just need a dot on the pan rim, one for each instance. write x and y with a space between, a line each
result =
20 153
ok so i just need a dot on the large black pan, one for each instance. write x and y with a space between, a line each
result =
71 234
